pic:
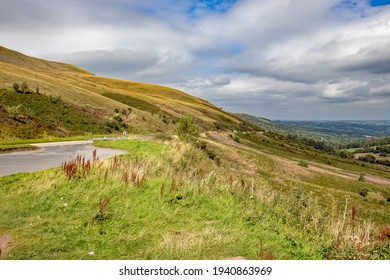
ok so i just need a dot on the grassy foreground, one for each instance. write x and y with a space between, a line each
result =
174 201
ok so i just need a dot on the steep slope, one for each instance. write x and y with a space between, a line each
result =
150 108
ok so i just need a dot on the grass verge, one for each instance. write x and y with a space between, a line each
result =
16 148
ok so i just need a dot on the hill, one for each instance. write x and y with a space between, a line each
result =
146 108
263 123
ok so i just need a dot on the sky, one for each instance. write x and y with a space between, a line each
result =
279 59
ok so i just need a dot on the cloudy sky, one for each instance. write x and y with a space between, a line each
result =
280 59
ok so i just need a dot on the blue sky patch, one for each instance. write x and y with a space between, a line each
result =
198 7
379 2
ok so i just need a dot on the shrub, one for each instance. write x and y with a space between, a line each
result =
187 129
368 158
384 162
362 178
364 192
24 87
345 154
303 163
16 87
237 139
118 119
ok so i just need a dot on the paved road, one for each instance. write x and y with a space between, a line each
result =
50 155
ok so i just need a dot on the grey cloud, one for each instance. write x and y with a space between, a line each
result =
141 65
381 91
118 62
375 66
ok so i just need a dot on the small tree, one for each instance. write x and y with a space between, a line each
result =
187 129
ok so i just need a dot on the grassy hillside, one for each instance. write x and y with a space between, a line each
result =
263 123
172 200
149 108
27 116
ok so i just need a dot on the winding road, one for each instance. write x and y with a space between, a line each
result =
51 155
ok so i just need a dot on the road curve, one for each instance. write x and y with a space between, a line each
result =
51 155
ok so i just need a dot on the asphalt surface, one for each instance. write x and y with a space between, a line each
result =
51 155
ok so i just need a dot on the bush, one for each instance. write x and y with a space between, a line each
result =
345 154
187 129
368 158
16 87
24 87
165 119
364 192
303 163
384 162
362 178
118 119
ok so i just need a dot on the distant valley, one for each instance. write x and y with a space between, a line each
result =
336 132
